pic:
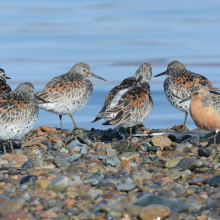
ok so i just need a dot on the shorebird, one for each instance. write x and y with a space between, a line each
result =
179 84
130 102
18 113
205 109
4 87
67 93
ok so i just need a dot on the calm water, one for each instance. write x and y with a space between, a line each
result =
42 39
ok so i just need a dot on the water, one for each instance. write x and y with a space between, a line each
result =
42 39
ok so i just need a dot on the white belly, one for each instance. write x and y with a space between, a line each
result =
65 108
18 130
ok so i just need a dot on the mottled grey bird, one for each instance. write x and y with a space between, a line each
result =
18 113
130 102
179 84
67 93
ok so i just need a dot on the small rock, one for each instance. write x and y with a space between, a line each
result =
126 187
114 213
42 184
173 162
204 152
191 163
27 165
61 162
49 214
161 141
113 161
155 212
59 144
111 152
153 148
214 181
26 196
38 163
12 205
59 184
95 179
160 200
46 129
183 147
133 210
17 157
29 178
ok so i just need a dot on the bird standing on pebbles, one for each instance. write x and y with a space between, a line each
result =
67 93
130 102
179 84
4 87
18 113
205 108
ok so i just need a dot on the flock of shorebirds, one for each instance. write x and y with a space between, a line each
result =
125 105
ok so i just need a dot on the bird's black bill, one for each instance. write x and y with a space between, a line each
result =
186 99
40 98
98 77
139 79
160 74
7 77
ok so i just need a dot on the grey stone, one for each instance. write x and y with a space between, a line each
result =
126 187
191 163
111 152
29 178
184 146
114 213
113 161
38 163
59 184
59 144
214 181
61 162
160 200
26 196
27 165
95 179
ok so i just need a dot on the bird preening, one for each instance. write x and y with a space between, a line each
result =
125 106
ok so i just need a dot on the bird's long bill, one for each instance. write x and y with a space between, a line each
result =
186 99
213 89
99 77
40 98
160 74
7 77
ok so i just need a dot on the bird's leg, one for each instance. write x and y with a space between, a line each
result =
184 124
73 121
214 136
4 147
122 133
60 116
130 133
12 149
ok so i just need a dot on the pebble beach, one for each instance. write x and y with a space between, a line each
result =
94 174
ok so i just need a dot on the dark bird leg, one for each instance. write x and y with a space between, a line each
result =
60 116
130 133
214 136
122 133
73 121
184 124
12 149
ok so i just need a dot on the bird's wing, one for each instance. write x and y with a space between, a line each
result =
4 88
182 84
14 109
130 106
114 96
62 88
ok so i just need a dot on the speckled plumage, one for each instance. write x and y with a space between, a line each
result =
130 102
67 93
179 84
4 87
18 112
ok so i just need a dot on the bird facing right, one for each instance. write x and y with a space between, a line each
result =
205 108
18 113
179 84
4 87
130 102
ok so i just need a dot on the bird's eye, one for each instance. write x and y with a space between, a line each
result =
84 70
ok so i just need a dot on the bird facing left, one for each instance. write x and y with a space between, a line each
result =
18 113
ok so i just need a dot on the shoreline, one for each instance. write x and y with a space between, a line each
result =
94 174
